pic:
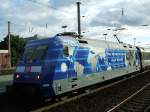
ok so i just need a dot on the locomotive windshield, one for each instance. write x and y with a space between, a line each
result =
35 52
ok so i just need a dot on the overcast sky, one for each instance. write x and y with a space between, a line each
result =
29 17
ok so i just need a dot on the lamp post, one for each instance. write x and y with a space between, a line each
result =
64 27
105 34
134 39
148 45
139 43
79 19
9 45
145 25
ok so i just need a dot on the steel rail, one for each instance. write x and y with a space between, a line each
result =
128 99
42 109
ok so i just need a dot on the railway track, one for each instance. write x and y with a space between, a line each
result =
138 102
55 104
100 99
72 101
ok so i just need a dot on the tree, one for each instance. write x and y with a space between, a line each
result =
17 47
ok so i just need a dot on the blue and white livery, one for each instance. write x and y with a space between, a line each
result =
60 64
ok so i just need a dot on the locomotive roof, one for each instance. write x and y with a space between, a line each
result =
55 40
39 41
107 44
84 42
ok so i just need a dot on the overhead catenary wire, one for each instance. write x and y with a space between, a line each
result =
65 12
29 27
143 6
42 4
48 6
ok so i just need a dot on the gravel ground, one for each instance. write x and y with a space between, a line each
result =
95 102
103 100
8 104
138 103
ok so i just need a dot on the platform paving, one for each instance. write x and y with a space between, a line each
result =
5 80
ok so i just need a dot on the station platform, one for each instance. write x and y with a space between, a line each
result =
5 80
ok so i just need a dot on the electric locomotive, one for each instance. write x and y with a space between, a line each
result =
62 63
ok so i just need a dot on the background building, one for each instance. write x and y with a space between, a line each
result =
3 59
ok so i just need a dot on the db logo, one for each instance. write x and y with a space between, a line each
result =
27 69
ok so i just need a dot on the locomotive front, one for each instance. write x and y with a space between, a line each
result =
33 69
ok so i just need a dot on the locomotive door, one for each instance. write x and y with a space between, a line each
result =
68 51
140 53
73 68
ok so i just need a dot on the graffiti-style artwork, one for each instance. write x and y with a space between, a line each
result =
130 58
116 58
85 60
103 59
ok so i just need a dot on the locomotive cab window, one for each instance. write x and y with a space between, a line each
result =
65 51
40 52
35 52
28 54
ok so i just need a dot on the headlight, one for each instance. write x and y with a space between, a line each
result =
17 76
37 77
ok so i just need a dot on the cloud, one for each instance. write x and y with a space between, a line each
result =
5 4
113 15
96 17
